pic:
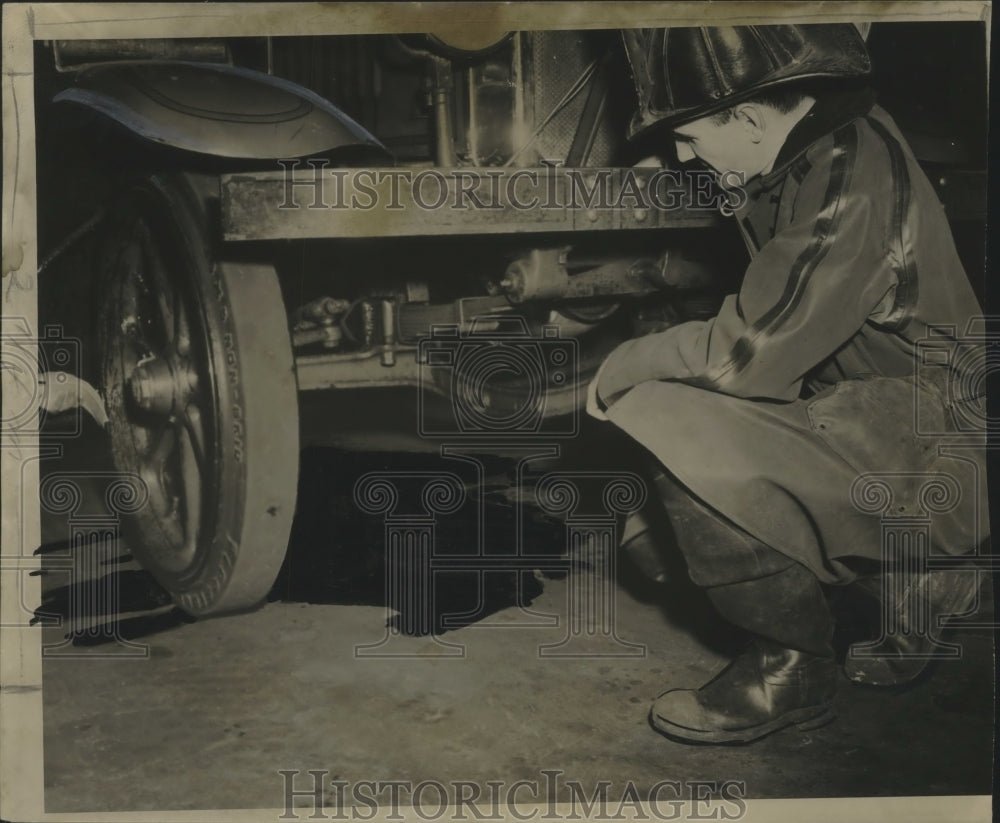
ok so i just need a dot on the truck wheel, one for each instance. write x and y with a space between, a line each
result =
200 387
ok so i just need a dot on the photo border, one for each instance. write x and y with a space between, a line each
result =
21 746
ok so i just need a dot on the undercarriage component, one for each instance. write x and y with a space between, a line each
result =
442 90
358 370
322 309
417 320
318 322
201 400
388 333
329 334
544 274
318 202
457 342
466 42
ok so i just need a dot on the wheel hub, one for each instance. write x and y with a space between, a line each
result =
161 387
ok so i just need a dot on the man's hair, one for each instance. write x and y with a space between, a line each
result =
784 100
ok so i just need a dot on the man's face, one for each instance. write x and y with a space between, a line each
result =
725 146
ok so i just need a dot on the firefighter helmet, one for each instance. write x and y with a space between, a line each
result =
682 74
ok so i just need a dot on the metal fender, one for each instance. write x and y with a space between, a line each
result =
220 110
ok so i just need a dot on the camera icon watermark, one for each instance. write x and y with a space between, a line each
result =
501 380
38 382
958 365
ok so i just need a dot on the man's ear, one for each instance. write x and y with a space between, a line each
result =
751 117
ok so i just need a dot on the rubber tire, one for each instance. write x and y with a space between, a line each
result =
244 531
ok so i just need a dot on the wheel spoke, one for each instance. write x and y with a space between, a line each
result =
154 471
162 292
196 435
191 480
173 474
131 293
182 330
168 305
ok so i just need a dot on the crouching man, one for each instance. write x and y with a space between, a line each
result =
764 419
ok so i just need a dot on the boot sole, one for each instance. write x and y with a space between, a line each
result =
806 719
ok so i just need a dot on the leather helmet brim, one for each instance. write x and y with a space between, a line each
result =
684 74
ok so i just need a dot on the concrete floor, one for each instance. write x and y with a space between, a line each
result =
219 706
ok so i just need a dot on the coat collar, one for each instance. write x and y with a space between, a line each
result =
829 113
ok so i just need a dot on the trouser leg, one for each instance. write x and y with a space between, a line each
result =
748 582
788 675
717 551
788 608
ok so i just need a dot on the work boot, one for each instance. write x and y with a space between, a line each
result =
765 689
912 603
787 676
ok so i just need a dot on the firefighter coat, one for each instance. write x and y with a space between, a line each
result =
835 406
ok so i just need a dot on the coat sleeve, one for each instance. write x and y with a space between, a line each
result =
805 293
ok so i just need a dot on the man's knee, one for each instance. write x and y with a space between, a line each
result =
716 550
